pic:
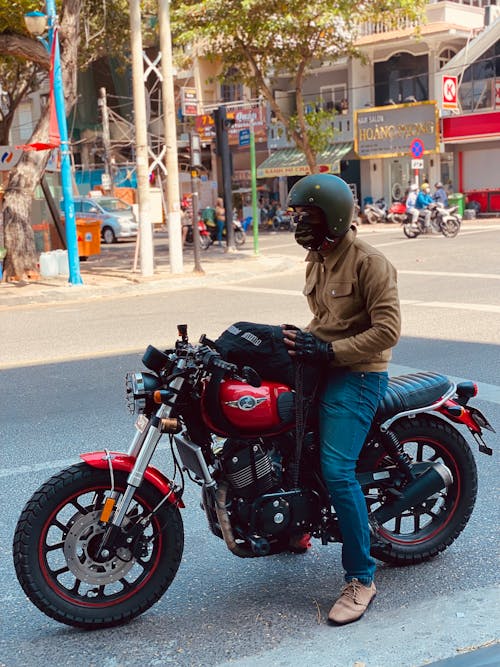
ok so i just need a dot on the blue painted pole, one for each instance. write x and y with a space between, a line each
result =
67 185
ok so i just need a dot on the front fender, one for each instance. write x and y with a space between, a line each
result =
120 461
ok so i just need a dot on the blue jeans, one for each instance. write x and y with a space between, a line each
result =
348 402
220 229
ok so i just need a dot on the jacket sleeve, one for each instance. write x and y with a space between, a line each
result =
378 286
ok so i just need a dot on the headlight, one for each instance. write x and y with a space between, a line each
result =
139 388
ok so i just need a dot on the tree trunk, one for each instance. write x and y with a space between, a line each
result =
19 240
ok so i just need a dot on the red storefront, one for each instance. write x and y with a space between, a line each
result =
475 141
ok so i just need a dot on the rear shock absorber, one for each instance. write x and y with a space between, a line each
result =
394 448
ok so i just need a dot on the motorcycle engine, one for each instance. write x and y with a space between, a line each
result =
247 468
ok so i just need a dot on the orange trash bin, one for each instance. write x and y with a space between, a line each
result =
88 234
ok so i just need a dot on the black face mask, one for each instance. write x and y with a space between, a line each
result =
311 229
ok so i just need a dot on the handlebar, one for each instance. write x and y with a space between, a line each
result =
212 360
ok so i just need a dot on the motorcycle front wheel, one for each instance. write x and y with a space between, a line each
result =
57 539
425 530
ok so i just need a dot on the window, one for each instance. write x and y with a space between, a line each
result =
230 91
333 98
402 78
445 56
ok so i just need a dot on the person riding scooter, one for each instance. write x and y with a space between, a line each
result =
424 198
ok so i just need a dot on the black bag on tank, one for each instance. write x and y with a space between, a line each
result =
261 346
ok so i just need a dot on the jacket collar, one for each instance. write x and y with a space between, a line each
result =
330 259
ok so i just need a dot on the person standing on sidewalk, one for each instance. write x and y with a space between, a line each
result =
220 219
352 292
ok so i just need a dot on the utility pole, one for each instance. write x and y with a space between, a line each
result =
75 277
195 164
141 141
221 124
108 183
170 132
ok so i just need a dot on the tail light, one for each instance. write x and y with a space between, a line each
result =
466 391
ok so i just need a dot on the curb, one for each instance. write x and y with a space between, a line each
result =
115 283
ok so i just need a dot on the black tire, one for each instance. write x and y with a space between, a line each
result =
276 224
371 218
239 237
426 530
410 230
450 227
108 235
55 537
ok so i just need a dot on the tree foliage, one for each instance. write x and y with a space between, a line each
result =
264 40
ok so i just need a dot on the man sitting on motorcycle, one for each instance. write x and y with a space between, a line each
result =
440 195
352 292
411 201
423 200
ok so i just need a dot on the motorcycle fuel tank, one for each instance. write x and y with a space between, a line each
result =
247 409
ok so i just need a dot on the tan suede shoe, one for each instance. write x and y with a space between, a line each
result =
352 603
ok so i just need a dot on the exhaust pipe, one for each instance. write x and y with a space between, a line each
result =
225 525
431 481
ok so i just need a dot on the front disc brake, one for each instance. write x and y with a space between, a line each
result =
80 547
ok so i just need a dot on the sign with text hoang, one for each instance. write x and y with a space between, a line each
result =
389 131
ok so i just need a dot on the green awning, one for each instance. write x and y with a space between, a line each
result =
292 162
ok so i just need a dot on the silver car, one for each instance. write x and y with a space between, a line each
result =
116 216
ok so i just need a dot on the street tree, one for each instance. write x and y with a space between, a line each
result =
259 42
89 30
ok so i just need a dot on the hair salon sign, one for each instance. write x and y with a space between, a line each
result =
388 131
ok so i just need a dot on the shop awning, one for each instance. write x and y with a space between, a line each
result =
292 162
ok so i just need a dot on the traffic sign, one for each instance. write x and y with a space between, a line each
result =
417 164
417 148
244 138
449 91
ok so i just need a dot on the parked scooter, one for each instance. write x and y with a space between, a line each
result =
445 221
282 220
397 212
376 212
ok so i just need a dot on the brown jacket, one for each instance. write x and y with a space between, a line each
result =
353 295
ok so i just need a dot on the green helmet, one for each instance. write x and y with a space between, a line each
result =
329 193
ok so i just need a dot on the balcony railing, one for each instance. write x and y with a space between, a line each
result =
342 126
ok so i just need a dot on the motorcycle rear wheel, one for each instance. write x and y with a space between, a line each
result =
239 237
450 227
371 217
410 230
426 530
56 541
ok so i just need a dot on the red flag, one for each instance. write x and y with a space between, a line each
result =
54 137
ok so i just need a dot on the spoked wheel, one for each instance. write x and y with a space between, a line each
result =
56 547
450 227
410 230
425 530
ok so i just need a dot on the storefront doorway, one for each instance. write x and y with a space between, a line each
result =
399 178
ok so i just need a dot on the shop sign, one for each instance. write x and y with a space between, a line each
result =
389 131
205 127
244 119
189 101
449 92
9 157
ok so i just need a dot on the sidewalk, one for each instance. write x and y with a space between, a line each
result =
111 273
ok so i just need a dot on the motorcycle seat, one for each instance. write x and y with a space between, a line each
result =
412 391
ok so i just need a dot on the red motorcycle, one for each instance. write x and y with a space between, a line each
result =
100 542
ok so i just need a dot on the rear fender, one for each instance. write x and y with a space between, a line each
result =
120 461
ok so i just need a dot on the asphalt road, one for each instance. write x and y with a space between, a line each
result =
62 393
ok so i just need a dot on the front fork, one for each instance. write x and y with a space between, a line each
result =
142 449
